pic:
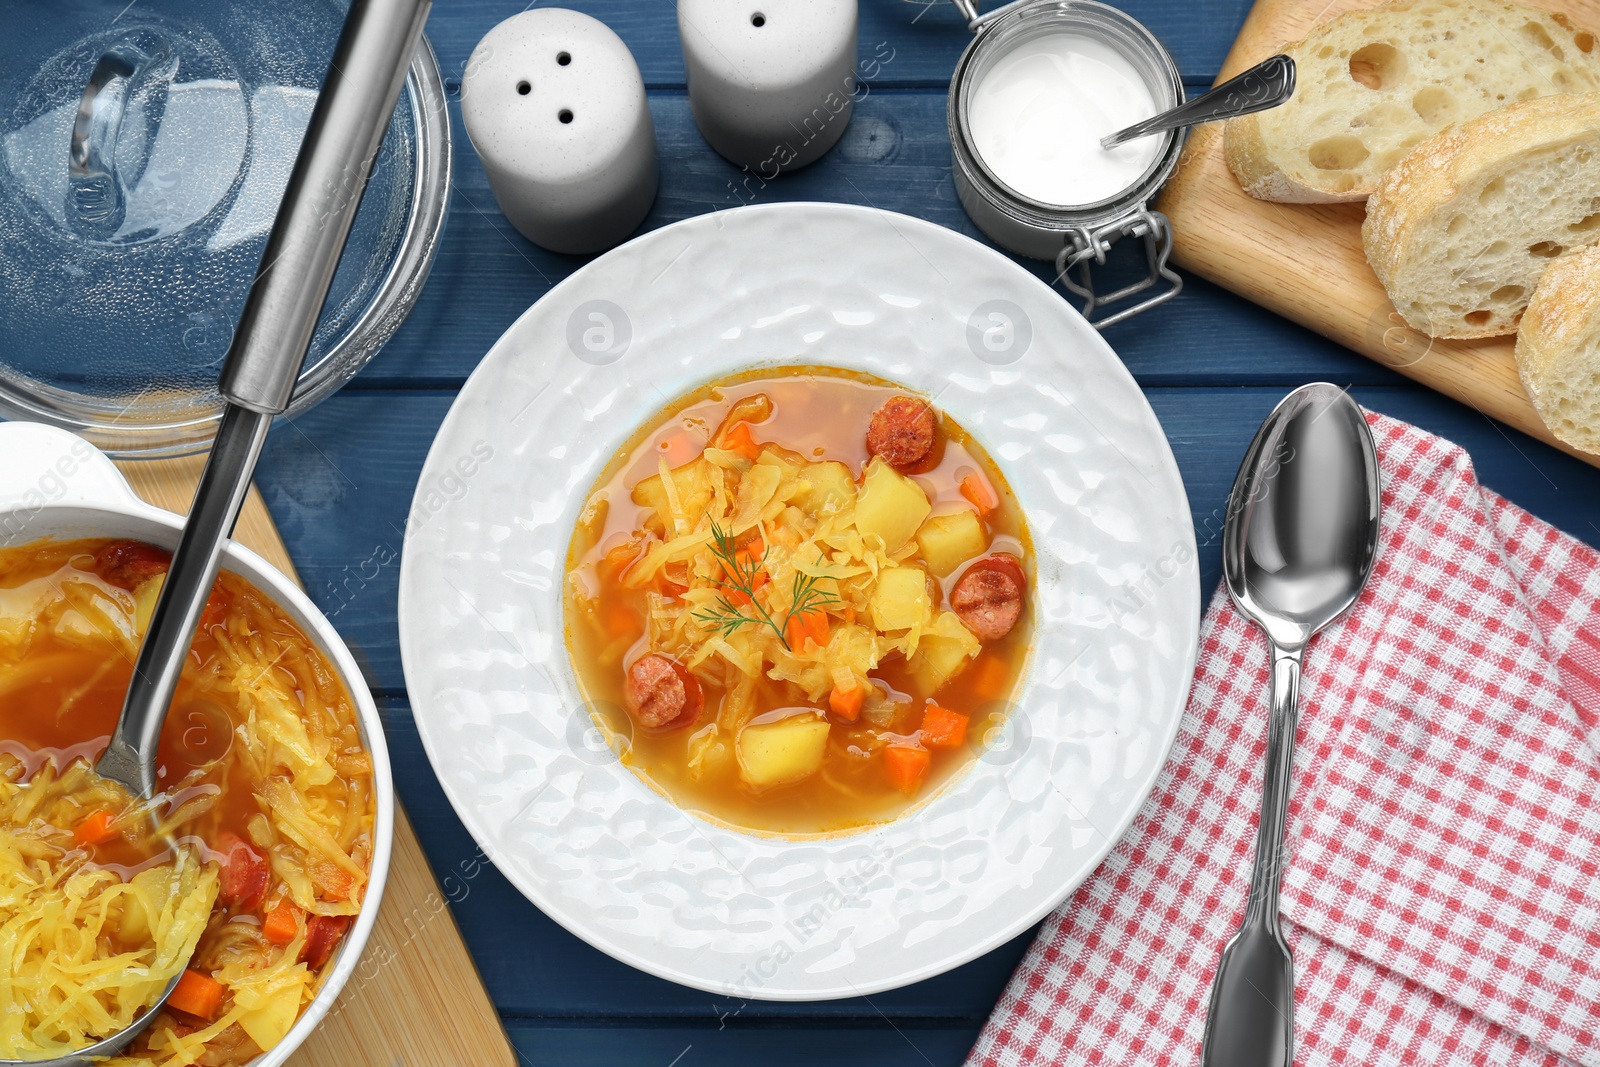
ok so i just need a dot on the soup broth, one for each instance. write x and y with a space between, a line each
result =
877 662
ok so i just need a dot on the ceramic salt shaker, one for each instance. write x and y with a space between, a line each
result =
771 82
554 104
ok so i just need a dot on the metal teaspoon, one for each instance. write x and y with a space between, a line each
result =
1298 544
1265 85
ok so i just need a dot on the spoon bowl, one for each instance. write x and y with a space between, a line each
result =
1302 525
1299 542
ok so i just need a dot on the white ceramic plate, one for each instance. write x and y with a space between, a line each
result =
1116 609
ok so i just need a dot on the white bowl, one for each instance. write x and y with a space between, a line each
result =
54 484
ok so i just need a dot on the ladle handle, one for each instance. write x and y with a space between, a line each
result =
319 204
347 126
1265 85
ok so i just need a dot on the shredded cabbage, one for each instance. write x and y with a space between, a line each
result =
83 953
804 535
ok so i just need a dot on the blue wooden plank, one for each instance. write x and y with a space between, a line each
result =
881 1042
924 37
895 155
339 481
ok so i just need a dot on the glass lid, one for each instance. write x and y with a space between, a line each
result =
143 152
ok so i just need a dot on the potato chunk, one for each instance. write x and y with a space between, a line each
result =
820 483
944 651
947 541
890 505
783 750
900 600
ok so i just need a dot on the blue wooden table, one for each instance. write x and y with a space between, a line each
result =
339 481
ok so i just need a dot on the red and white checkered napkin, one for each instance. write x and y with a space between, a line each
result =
1442 888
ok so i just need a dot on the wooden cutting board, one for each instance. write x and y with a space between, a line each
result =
416 998
1305 261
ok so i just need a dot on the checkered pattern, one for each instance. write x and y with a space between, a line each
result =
1441 891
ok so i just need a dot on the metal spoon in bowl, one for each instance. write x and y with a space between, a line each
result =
1265 85
1298 544
280 313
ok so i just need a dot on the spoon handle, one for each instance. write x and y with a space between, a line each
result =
1264 878
1251 1019
1267 84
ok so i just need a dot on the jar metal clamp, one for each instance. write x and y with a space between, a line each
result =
1078 237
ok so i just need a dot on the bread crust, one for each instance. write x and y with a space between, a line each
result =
1557 343
1411 193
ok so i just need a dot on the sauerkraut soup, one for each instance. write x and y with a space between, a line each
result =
243 875
797 602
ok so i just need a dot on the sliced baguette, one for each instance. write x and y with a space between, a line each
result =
1460 231
1558 349
1373 84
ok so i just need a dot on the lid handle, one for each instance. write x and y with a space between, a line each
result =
96 191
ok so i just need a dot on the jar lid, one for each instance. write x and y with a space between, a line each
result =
141 167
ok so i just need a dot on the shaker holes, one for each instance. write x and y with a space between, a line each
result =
564 58
564 115
523 88
758 20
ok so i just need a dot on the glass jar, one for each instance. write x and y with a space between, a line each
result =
1076 237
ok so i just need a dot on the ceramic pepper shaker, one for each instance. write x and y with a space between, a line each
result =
554 104
771 82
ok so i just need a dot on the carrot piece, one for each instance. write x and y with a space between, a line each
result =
738 439
907 766
196 994
846 703
943 728
747 557
96 827
812 624
280 925
978 494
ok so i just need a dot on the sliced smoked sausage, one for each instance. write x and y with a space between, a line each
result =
902 432
989 596
660 693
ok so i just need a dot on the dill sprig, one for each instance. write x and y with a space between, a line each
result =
738 575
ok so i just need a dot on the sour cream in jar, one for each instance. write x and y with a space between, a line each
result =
1037 114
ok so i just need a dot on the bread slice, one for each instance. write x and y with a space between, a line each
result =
1558 349
1460 231
1373 84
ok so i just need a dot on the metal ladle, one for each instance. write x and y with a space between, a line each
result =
280 313
1297 546
1265 85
